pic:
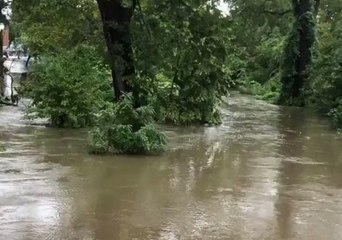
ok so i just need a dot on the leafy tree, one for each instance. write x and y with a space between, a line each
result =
187 47
54 26
259 30
116 19
180 57
298 53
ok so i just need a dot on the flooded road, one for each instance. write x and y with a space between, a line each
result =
266 173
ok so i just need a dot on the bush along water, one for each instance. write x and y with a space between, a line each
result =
122 128
326 87
2 148
69 88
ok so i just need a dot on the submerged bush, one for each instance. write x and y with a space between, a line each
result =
2 148
69 88
268 91
185 112
336 114
124 129
191 98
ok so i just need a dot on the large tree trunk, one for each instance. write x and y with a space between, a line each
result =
298 53
116 21
304 58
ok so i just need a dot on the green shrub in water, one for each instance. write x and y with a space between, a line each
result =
2 148
124 129
336 114
69 88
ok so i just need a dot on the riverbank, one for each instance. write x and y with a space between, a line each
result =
270 94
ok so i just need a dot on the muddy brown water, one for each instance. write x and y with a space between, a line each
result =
267 173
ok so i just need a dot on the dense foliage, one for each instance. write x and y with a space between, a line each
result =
178 58
69 88
268 38
260 29
326 84
53 26
125 129
193 43
180 61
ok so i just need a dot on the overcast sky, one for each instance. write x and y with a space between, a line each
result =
223 7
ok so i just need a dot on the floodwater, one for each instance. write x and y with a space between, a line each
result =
267 173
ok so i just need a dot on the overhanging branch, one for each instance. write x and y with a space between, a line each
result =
277 13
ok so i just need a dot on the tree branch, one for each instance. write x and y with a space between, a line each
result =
277 13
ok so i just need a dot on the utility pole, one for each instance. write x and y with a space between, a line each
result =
1 52
1 65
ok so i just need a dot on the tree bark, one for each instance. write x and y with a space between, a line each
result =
116 21
298 51
317 4
304 57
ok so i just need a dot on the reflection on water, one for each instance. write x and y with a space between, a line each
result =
266 173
